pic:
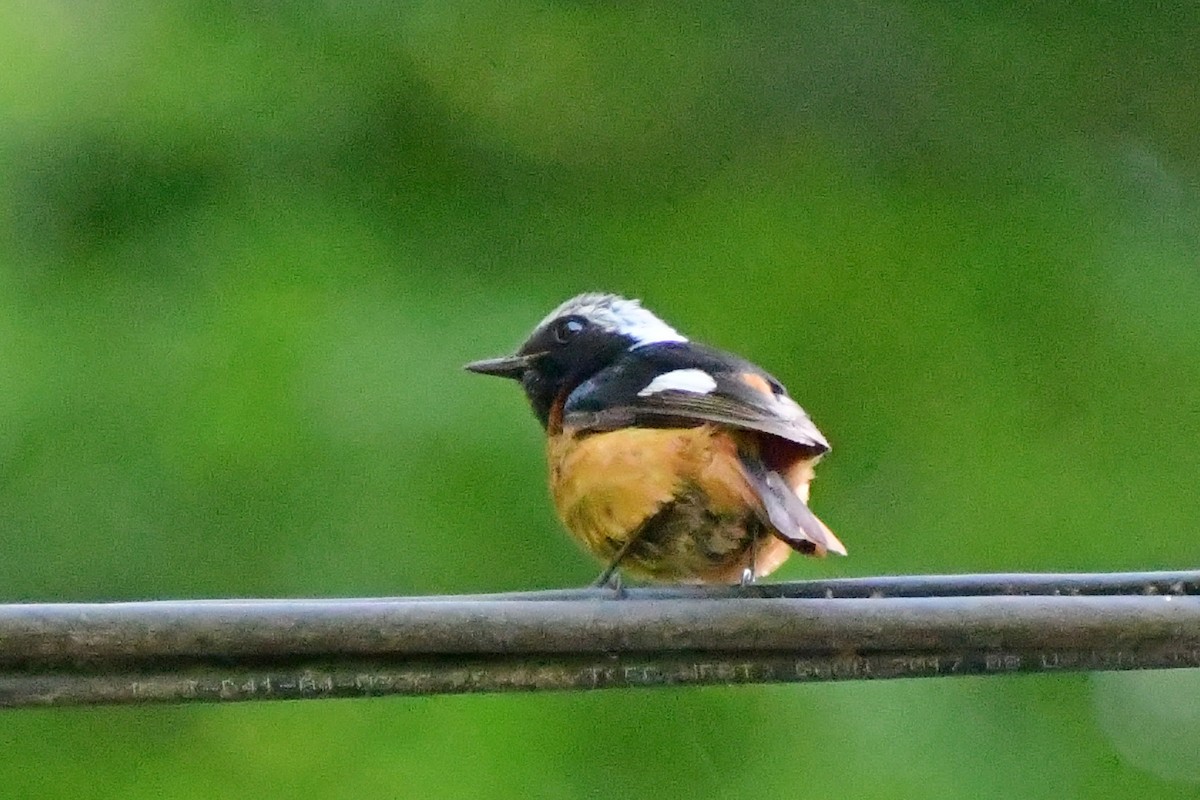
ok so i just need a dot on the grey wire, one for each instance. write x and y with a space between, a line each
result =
210 650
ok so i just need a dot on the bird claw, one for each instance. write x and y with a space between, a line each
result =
610 579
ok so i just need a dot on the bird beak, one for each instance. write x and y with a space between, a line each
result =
505 367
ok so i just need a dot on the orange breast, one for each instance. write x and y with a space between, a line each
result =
606 485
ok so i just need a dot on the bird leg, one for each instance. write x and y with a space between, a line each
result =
610 576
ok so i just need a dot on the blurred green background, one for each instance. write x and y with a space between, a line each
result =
247 247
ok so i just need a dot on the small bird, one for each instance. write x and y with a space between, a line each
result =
669 460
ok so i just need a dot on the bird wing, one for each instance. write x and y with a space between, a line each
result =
686 385
779 417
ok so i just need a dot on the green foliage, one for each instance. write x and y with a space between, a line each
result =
248 248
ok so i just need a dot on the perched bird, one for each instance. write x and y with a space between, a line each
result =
669 460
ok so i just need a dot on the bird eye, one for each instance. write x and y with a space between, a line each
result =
567 328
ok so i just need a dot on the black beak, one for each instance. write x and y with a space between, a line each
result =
505 367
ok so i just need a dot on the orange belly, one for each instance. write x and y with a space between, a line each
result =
680 491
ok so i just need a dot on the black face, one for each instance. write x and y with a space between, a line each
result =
557 358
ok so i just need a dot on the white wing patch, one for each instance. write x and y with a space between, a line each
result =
696 381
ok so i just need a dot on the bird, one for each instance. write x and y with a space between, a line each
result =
669 461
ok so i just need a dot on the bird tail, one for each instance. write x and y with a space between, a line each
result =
793 521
